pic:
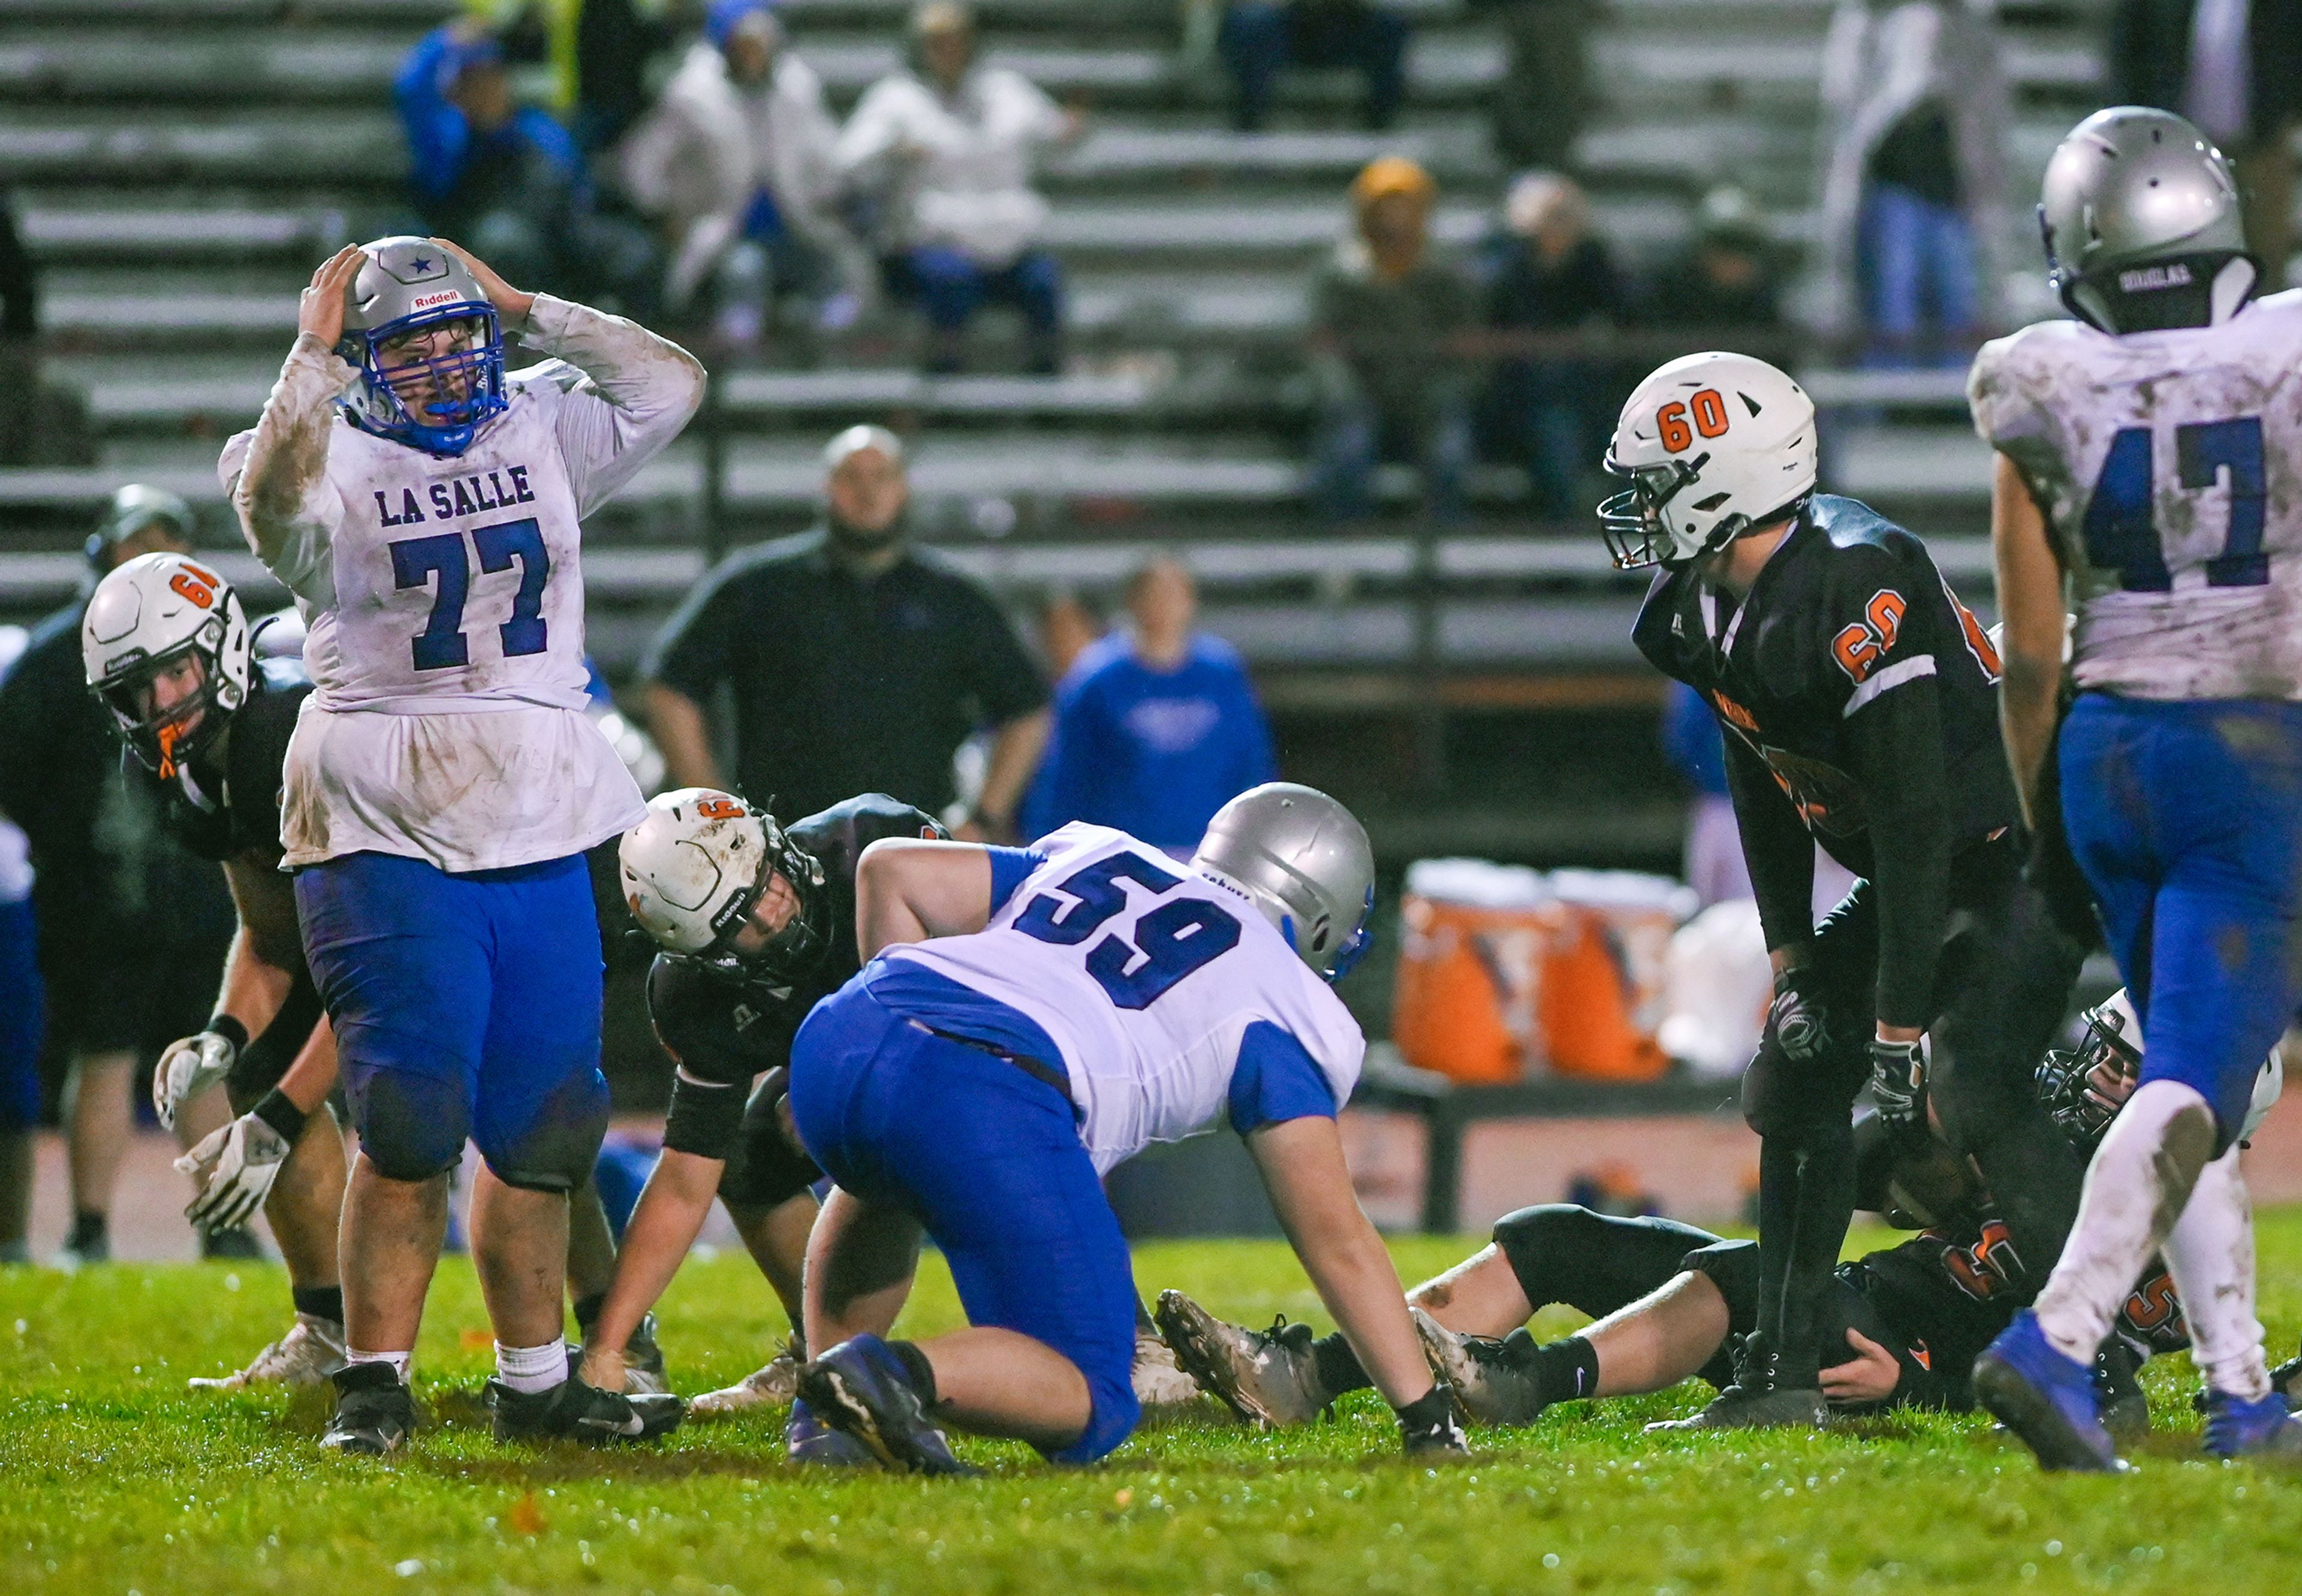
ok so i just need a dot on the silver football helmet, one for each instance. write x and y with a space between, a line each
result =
1303 860
436 403
2132 199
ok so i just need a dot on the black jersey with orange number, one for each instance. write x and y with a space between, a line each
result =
1848 608
725 1029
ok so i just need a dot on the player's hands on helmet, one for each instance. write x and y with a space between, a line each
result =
189 1068
321 310
236 1167
1870 1375
1898 1081
1795 1019
511 305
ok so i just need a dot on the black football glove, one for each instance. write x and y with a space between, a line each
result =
1794 1019
1898 1081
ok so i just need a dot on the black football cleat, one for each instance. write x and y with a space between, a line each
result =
861 1389
374 1413
1756 1401
2118 1387
574 1411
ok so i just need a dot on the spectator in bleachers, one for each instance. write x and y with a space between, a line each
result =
42 421
1725 278
1544 95
1390 318
1548 274
2234 67
507 178
852 663
617 45
1068 626
736 164
1156 728
947 145
1258 38
1917 118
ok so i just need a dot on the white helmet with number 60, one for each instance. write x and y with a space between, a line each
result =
159 614
1712 445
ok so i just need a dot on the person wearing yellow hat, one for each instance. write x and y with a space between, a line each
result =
1390 318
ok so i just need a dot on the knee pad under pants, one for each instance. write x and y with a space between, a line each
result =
989 1160
464 1005
1597 1264
2186 819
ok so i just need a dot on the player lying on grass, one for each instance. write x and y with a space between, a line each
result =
757 924
1028 1020
444 783
1671 1300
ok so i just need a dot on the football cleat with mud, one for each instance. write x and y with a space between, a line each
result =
773 1384
1268 1378
1489 1386
311 1351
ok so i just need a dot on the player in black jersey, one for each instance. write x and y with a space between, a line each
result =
756 923
1858 697
1671 1299
168 651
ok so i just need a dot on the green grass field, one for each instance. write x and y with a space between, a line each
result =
114 1478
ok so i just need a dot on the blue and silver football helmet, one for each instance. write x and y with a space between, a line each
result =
437 403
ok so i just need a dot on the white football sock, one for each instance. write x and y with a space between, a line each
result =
2210 1254
532 1369
401 1362
2123 1217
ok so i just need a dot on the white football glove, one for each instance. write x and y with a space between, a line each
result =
189 1068
236 1167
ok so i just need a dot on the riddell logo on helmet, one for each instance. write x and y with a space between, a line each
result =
445 297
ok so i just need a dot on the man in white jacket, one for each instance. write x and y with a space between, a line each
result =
949 144
734 163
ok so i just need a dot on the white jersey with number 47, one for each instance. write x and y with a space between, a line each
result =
1145 974
444 603
2170 467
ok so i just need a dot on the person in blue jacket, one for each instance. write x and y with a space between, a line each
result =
1156 726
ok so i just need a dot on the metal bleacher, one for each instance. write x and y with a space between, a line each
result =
179 165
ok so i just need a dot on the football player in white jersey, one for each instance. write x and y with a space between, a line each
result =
2150 462
1029 1019
443 780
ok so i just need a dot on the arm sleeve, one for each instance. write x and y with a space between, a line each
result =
277 477
437 133
999 673
1010 867
1777 846
1895 751
642 390
695 651
705 1117
1276 1078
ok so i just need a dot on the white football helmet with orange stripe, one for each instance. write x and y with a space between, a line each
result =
1712 445
172 617
694 868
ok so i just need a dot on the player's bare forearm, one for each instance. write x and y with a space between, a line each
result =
908 891
254 987
664 1224
1014 756
2034 626
683 736
311 1076
1310 1185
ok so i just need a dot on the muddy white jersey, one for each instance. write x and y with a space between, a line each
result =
1145 975
2170 468
443 598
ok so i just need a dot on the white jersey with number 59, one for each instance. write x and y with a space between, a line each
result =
444 603
2170 467
1145 974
